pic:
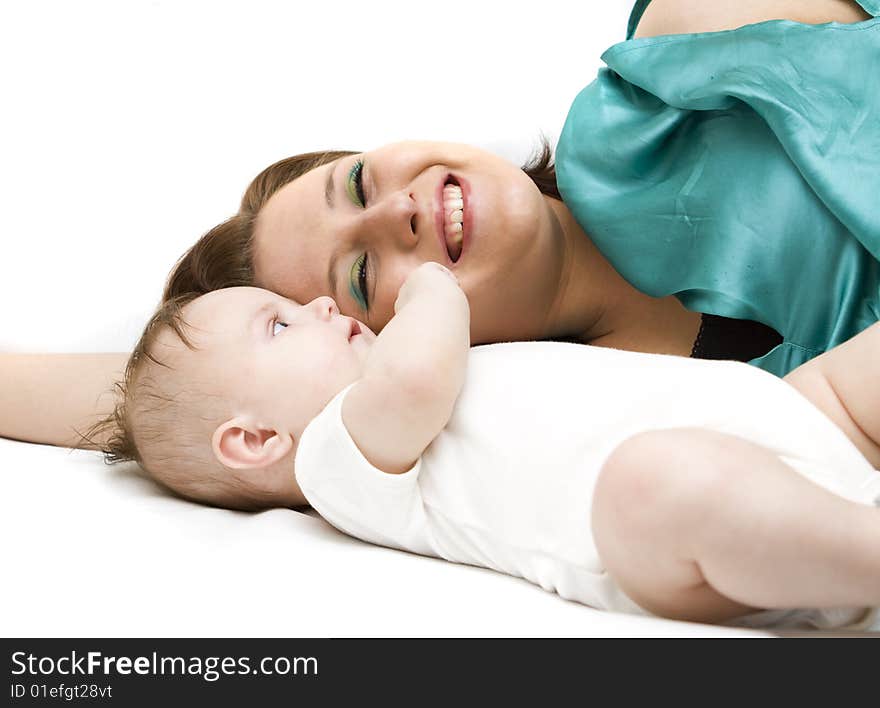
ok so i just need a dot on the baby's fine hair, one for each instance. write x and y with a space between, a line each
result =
164 423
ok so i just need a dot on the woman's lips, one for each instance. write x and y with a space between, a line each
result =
440 219
468 225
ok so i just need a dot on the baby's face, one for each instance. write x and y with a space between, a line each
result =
274 358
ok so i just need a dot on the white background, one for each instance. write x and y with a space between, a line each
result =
129 128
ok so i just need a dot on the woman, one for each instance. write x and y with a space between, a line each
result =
646 160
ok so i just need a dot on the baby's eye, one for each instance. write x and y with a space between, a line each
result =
278 326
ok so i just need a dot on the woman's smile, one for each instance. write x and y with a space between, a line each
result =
448 210
380 227
454 216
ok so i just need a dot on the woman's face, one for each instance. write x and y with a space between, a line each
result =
355 228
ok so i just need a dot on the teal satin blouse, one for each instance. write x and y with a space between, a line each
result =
739 171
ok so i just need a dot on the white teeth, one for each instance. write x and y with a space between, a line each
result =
453 207
455 233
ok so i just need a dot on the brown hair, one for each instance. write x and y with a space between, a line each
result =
120 445
150 422
223 257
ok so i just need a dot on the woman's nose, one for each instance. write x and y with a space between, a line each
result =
323 307
393 217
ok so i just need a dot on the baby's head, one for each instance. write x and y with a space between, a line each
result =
220 388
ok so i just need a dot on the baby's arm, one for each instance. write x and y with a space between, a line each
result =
845 384
414 372
46 398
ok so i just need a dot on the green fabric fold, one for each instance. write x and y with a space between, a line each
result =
739 171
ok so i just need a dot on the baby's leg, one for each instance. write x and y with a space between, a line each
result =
845 384
702 526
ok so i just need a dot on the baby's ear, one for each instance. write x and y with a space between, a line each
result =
240 444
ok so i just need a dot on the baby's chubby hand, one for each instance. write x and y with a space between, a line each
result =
428 280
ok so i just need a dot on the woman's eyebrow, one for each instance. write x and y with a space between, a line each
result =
329 188
329 197
334 257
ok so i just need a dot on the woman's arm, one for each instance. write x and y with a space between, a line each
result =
686 16
48 398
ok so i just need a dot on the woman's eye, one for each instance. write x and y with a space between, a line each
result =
355 184
357 282
277 327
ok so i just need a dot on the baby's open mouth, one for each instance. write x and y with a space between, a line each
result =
354 331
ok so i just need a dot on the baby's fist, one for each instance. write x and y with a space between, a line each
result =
427 279
433 265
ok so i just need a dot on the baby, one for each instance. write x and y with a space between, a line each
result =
698 490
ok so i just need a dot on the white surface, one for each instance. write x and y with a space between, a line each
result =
129 129
92 550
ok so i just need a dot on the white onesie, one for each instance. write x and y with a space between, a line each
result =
508 484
